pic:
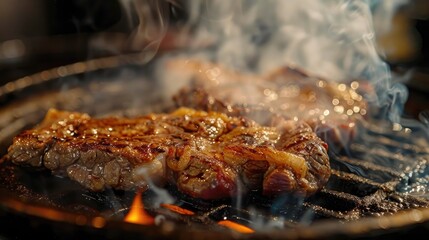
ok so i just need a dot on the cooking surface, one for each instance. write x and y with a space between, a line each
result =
360 187
379 186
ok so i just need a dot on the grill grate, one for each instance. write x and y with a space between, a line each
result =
378 181
358 188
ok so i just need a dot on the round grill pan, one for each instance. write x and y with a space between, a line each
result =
35 203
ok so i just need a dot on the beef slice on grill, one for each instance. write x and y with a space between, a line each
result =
205 154
331 109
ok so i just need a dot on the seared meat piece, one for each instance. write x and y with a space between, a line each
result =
330 109
206 154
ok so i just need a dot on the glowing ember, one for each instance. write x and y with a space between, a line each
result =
137 214
177 209
236 226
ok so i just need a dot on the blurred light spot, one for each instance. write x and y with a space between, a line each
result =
321 83
339 109
326 112
349 112
213 73
45 75
98 222
271 95
383 223
290 91
397 127
62 71
12 49
416 215
335 101
79 67
267 92
342 87
354 85
10 86
356 109
23 82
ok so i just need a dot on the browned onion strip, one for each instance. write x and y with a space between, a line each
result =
279 158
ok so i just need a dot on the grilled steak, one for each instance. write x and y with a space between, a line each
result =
206 154
330 109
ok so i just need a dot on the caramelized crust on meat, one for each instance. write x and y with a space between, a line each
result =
206 154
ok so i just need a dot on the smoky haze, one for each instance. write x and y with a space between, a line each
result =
334 39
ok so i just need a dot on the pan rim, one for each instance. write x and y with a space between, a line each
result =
319 229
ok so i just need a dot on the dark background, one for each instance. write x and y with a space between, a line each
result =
36 35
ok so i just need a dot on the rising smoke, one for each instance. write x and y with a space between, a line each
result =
334 39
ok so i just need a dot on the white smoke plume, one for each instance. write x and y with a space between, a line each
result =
333 39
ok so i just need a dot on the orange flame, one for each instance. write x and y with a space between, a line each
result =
177 209
137 214
236 226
